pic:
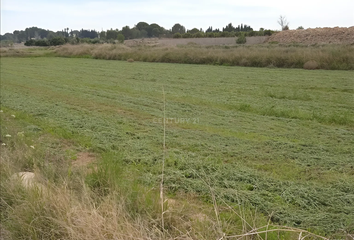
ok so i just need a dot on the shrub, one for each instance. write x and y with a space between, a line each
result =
120 38
41 43
268 32
186 35
130 60
311 65
177 35
198 35
251 33
57 41
30 42
241 39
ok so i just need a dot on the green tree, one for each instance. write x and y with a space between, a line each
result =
193 31
142 26
103 35
120 38
178 28
112 34
229 28
155 32
126 31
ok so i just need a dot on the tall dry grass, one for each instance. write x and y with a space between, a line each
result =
334 57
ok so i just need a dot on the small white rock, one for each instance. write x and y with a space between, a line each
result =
3 144
1 111
7 135
13 116
32 147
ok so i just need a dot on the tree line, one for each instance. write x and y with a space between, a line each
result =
42 37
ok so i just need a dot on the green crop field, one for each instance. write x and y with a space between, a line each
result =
276 140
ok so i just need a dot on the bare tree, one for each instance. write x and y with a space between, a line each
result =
283 22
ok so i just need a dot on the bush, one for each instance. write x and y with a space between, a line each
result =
41 43
241 39
177 35
120 38
30 42
251 33
186 35
210 35
198 35
57 41
311 65
268 32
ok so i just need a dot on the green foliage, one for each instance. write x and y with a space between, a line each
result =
103 35
178 28
126 31
120 38
268 32
42 43
177 35
57 41
112 35
186 35
210 35
198 35
241 39
155 32
30 42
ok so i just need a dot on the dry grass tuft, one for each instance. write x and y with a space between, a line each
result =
311 65
130 60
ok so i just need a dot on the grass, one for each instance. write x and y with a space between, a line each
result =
329 57
333 57
100 201
275 141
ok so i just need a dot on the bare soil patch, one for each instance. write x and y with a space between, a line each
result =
335 35
83 159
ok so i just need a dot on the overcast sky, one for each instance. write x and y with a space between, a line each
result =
89 14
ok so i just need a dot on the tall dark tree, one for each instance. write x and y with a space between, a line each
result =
229 28
126 31
142 26
210 29
178 28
